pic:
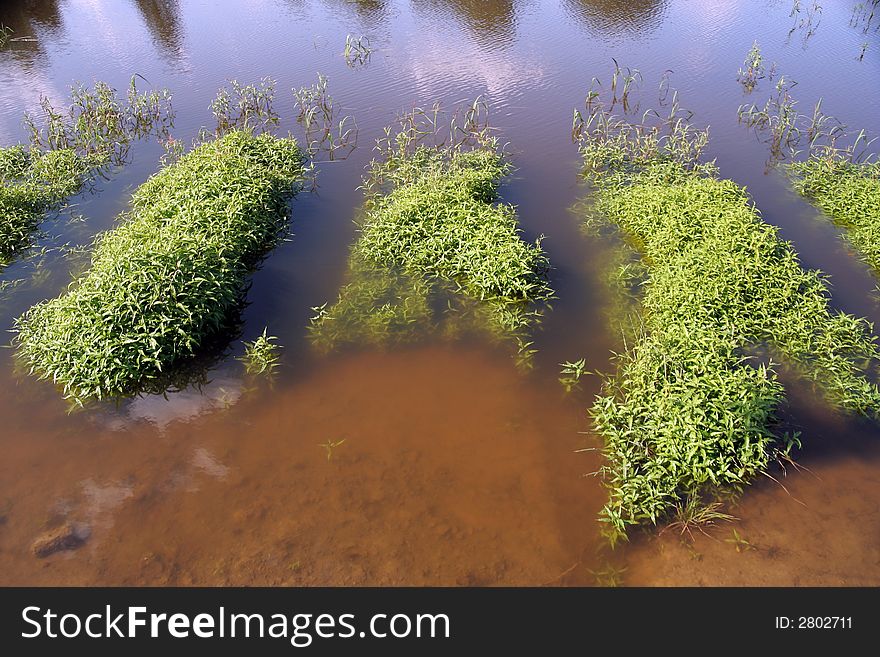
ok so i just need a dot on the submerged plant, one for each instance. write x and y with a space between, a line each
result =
261 355
330 445
164 283
434 248
690 415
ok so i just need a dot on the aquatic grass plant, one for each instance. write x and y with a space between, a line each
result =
318 114
434 244
849 193
163 283
32 182
245 107
6 33
261 356
689 418
831 165
863 14
752 69
67 149
357 50
99 123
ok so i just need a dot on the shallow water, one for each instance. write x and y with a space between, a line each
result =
456 467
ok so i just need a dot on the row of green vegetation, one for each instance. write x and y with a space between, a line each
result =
689 418
167 279
848 193
830 165
68 147
32 182
436 252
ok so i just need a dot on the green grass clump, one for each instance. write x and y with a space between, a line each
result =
849 193
690 414
261 355
434 248
166 280
31 183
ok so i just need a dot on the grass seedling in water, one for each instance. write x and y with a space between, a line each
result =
741 544
753 68
357 50
571 372
330 446
262 355
6 33
832 166
849 194
165 282
318 114
245 107
689 417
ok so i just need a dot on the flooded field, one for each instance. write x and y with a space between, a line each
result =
442 459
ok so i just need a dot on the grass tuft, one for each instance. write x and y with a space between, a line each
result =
433 236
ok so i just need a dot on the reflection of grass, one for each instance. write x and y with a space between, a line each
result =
163 284
689 415
435 252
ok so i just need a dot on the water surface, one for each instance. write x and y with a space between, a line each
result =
456 467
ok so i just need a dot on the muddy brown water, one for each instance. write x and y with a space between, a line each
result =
451 466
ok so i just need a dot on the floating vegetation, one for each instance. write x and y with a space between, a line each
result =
165 281
434 247
689 418
261 356
357 50
325 131
753 68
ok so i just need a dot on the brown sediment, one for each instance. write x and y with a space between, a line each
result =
454 470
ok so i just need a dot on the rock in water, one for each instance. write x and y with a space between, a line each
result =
66 537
